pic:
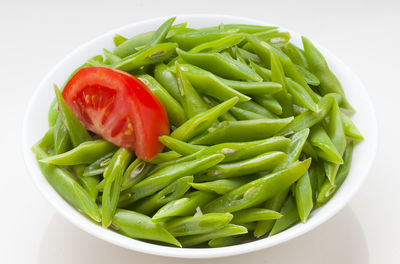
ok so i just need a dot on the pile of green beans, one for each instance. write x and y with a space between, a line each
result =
260 136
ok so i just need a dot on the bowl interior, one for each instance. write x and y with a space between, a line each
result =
35 125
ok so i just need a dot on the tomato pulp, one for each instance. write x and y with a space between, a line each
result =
118 107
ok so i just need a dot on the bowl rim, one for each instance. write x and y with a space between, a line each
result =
110 236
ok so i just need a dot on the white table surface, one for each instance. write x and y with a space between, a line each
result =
34 35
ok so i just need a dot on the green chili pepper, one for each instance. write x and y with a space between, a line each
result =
324 146
172 192
86 153
52 113
319 67
62 142
349 128
113 180
219 44
268 102
201 122
165 176
67 186
220 65
201 224
228 230
179 146
118 40
77 131
259 190
289 217
263 162
239 131
99 166
136 172
168 80
140 226
191 100
304 197
189 40
209 84
310 118
327 190
185 206
338 137
221 186
175 112
146 56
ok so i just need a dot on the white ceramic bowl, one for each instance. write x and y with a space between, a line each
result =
35 124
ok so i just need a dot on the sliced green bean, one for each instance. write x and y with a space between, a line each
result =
268 102
242 114
230 240
324 146
219 44
52 114
256 108
89 183
136 172
168 80
221 186
118 39
179 146
62 141
350 128
253 88
311 79
253 215
304 197
99 166
289 217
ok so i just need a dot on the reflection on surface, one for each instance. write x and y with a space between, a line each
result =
340 240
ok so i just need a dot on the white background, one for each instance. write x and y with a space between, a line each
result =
34 35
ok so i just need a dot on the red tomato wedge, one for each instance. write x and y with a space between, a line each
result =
119 108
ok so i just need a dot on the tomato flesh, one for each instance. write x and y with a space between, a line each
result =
118 107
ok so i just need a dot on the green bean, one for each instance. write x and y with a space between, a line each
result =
338 137
247 56
67 186
296 55
289 217
189 40
89 183
221 186
168 80
99 166
228 230
62 141
244 28
77 132
136 172
179 146
349 128
172 192
47 141
175 112
256 108
268 102
309 150
319 67
275 204
310 118
311 79
118 40
263 162
259 190
209 84
202 121
229 241
146 56
86 153
52 113
219 44
111 58
300 95
239 131
253 215
221 65
191 100
304 197
165 156
165 176
194 225
141 226
113 180
327 190
324 146
253 88
242 114
185 206
147 39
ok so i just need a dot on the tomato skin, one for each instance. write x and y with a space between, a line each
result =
118 107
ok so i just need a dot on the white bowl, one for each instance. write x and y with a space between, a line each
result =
35 125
